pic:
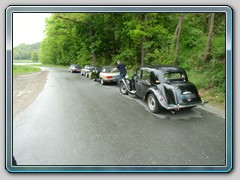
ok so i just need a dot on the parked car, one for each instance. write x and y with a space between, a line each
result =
84 70
164 87
74 68
90 70
94 74
107 74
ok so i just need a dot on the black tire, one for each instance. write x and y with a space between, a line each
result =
102 82
153 104
123 88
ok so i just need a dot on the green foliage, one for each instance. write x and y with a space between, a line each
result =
218 49
24 51
34 56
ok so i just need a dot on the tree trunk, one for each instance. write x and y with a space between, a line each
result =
177 37
209 40
92 50
143 50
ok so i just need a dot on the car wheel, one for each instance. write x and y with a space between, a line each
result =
152 103
123 88
102 82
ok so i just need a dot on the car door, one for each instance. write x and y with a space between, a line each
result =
142 82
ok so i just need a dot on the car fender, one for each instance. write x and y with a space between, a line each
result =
126 83
158 94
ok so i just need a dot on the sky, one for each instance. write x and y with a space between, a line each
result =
28 28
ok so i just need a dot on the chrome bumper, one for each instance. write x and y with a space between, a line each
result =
178 106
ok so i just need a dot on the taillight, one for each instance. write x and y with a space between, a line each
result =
161 98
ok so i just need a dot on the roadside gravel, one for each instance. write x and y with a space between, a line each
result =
26 88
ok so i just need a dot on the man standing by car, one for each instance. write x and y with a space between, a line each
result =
122 68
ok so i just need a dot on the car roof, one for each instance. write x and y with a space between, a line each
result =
164 68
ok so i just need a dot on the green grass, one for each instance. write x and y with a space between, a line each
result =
209 92
19 70
23 61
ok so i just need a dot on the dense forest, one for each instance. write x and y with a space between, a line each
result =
194 41
27 52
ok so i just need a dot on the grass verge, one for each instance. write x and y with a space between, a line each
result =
209 93
19 70
48 65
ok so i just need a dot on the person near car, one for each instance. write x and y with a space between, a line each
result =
122 68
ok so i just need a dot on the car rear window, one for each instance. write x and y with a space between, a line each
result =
108 70
174 76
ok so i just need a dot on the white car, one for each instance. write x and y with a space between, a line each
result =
108 74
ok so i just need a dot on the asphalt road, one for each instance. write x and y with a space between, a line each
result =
76 121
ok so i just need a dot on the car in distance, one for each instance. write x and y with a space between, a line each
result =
74 68
108 74
84 70
94 74
164 87
90 70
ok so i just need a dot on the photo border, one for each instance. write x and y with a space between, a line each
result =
113 9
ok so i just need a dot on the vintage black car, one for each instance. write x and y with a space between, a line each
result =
164 87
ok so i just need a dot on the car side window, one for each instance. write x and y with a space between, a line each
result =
138 73
145 76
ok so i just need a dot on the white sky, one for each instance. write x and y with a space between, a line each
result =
28 28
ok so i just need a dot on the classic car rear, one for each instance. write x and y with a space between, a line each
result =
108 74
94 74
74 68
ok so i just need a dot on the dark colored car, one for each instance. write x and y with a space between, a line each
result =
90 70
94 74
74 68
164 87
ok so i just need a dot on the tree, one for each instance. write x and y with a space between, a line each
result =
209 39
177 38
34 56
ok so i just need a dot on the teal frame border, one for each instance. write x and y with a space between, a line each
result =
103 169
